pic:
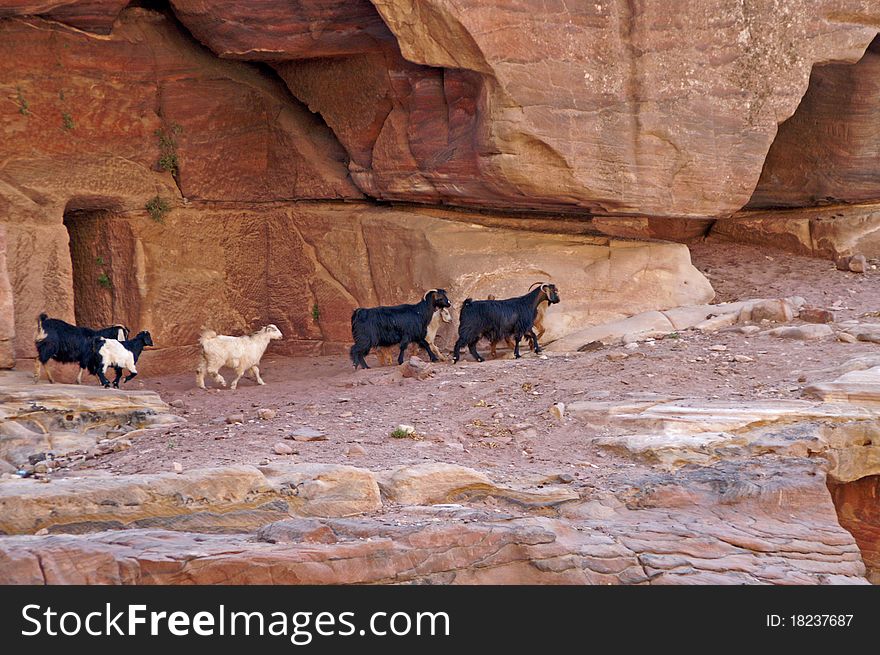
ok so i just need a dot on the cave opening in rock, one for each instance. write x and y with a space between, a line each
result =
858 509
104 271
826 152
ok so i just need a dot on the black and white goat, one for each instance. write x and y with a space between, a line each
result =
497 320
106 354
68 344
135 347
396 325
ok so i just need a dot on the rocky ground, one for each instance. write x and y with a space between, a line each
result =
699 455
496 415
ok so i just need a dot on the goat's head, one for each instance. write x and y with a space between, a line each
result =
551 293
273 331
145 336
437 298
445 316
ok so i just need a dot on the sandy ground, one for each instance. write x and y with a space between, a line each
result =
494 416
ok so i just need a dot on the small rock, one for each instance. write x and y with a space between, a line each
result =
267 414
803 332
749 329
842 263
616 356
356 451
632 346
846 337
178 403
858 264
235 418
40 467
718 347
282 448
177 466
403 429
743 359
810 314
498 415
558 410
416 368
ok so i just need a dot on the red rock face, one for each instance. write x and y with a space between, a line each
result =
110 123
827 152
269 30
7 309
91 15
858 506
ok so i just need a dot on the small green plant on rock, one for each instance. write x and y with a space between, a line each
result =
67 121
157 208
23 106
316 314
104 281
168 148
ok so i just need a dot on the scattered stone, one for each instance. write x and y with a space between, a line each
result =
842 263
498 415
177 467
749 330
177 403
403 430
632 346
267 414
775 311
810 314
846 337
743 359
356 451
718 347
616 356
803 332
282 448
416 368
558 410
858 264
235 418
307 434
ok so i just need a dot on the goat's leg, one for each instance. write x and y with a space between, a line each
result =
118 375
103 378
200 374
130 375
79 376
362 361
256 371
403 346
472 347
428 347
38 368
238 373
436 351
534 341
492 346
218 378
516 339
49 373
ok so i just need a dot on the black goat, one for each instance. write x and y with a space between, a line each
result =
68 344
136 347
499 319
397 325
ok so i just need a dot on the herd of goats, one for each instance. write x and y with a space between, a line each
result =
383 328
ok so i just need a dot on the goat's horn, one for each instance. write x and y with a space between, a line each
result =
534 284
428 292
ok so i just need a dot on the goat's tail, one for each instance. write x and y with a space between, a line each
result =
40 333
206 334
356 313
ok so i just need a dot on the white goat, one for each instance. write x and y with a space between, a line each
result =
241 354
387 354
